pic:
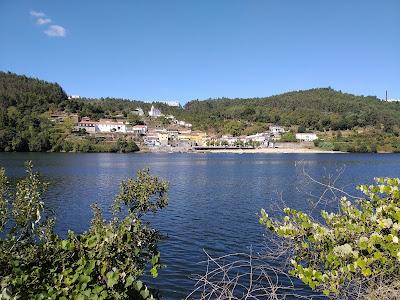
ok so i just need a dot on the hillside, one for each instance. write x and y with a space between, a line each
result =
26 104
32 95
315 109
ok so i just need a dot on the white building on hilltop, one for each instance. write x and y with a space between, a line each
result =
154 112
171 103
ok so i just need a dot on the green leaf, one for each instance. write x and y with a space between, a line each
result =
129 280
112 278
154 271
138 285
145 293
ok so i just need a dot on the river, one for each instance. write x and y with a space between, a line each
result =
214 199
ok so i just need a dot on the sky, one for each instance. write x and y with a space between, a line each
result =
197 49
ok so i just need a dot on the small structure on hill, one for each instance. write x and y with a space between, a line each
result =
138 111
155 112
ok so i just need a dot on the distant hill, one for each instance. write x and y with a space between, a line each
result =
315 109
25 103
31 94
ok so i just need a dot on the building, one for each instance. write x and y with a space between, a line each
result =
170 117
171 103
111 127
60 117
276 129
199 138
154 112
102 127
163 138
88 126
229 140
261 138
138 129
306 137
74 97
151 140
138 111
184 124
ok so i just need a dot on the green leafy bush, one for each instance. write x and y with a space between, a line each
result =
355 248
105 262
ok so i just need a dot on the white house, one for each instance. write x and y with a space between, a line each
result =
306 137
276 129
138 129
103 126
171 103
154 112
262 138
184 124
152 140
111 127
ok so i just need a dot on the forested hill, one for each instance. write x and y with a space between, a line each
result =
23 100
315 109
30 95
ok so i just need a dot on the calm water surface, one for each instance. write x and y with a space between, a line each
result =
214 198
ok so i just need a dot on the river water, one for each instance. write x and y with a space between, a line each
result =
214 199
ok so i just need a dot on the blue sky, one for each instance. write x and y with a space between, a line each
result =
196 49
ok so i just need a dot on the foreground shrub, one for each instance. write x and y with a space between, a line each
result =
106 262
352 252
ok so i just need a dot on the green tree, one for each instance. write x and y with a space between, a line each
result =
288 137
134 119
233 127
357 247
105 262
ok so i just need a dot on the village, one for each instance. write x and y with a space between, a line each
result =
178 135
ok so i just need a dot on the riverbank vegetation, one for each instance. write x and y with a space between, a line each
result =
366 140
107 261
351 253
26 105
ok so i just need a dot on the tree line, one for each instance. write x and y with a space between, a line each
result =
25 104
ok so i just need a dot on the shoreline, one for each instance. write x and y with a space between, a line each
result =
269 150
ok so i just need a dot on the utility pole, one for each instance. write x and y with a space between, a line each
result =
386 96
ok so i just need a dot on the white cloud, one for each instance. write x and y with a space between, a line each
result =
56 31
52 30
37 14
42 21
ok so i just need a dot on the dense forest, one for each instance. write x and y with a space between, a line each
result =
315 109
25 104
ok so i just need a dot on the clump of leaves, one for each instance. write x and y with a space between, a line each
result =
352 250
105 262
